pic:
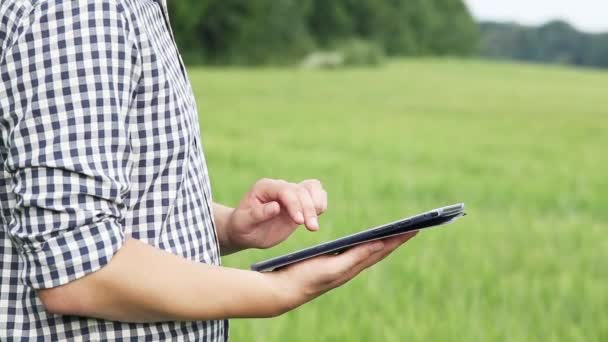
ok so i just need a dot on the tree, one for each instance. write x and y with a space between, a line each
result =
330 21
454 31
554 42
282 31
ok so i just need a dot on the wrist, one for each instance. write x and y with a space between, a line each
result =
286 294
222 217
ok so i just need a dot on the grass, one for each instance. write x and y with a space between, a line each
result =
524 146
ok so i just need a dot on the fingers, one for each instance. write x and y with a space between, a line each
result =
289 198
318 194
303 202
264 212
320 274
257 214
308 208
267 190
390 245
341 265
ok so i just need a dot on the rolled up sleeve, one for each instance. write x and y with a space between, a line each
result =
73 78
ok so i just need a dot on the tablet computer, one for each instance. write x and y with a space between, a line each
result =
425 220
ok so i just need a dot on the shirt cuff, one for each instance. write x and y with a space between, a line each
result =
72 255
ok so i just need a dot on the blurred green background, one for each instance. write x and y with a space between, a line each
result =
284 32
523 145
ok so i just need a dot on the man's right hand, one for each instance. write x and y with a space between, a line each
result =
306 280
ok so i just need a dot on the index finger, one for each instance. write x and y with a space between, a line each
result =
390 245
283 192
318 194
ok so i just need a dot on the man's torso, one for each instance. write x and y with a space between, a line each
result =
168 203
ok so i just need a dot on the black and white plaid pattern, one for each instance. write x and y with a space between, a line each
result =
99 141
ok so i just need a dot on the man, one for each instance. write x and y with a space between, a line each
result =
109 231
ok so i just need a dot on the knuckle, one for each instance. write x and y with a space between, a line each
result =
256 215
312 183
285 193
289 197
364 254
303 195
302 191
263 181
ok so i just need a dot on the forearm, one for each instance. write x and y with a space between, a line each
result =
145 284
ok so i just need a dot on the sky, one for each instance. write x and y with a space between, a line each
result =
585 15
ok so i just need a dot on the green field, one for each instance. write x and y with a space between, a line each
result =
524 146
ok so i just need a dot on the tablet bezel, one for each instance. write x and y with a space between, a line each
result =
429 219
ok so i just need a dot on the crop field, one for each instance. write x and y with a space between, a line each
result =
524 146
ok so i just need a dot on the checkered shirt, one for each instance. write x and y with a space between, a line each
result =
99 141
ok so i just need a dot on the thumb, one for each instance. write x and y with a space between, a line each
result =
262 212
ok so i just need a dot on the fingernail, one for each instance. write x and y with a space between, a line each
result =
376 246
314 223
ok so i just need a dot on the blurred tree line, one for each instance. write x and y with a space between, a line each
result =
283 31
554 42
